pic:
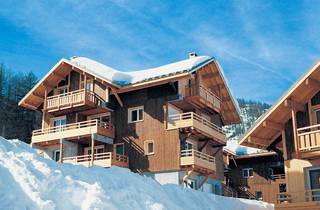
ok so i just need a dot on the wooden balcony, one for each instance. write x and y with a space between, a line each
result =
75 99
73 130
197 160
309 141
202 97
309 196
198 125
105 160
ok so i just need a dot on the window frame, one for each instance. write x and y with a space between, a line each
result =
137 108
248 171
115 148
146 143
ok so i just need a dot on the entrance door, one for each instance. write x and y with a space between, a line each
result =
315 184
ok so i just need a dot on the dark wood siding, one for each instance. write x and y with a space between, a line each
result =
166 143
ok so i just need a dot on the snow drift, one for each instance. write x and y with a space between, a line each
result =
28 181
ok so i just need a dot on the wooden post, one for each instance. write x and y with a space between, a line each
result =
92 149
61 151
294 130
165 112
284 144
310 113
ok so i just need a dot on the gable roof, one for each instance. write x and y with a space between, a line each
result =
123 81
268 127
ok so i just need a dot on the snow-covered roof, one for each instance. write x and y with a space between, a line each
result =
125 77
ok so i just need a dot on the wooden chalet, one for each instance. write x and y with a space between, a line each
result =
291 128
163 122
258 176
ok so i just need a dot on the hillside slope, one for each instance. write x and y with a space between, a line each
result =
28 181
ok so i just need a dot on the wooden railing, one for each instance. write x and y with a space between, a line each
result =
303 196
278 176
309 138
199 90
73 126
197 154
84 159
73 98
195 158
177 119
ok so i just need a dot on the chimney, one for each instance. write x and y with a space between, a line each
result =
193 55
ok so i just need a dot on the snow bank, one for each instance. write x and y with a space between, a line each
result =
129 77
28 181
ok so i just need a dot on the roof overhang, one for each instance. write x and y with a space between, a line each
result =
271 124
256 155
35 97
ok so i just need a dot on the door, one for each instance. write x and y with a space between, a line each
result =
315 184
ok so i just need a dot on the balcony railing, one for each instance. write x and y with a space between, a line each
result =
278 176
193 120
106 159
73 99
73 130
309 138
205 94
303 196
195 158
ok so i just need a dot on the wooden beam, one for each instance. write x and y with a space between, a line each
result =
312 83
205 179
272 125
310 113
203 145
284 143
117 97
61 151
92 149
294 130
292 104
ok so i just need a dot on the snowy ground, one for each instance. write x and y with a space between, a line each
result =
28 181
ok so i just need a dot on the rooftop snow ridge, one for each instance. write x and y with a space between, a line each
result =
124 78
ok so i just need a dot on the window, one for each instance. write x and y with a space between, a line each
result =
149 147
258 195
317 113
187 145
135 114
97 149
58 122
247 173
119 148
56 155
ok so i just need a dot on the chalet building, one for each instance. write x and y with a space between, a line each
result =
258 176
163 122
291 128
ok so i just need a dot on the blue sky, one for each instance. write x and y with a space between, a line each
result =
263 46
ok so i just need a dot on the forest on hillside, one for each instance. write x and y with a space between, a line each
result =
18 123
